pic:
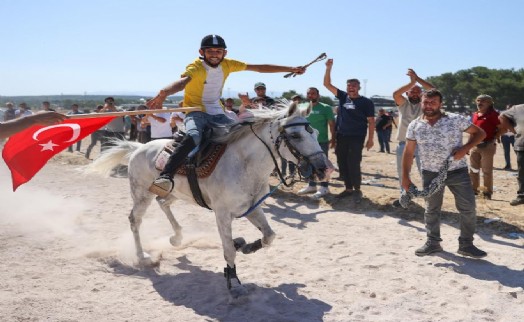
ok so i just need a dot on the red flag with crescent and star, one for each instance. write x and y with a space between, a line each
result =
26 152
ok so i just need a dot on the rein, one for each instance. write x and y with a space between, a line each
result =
292 149
282 179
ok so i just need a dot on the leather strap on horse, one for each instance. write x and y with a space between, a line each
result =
282 179
193 184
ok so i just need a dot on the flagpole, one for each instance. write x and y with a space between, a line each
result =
139 112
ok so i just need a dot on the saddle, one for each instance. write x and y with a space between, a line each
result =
199 165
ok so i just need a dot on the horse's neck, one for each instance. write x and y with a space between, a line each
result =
250 145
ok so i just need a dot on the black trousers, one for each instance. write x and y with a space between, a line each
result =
349 157
520 174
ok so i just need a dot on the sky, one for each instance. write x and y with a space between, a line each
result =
116 47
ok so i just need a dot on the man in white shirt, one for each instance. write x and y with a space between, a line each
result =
160 126
438 136
408 110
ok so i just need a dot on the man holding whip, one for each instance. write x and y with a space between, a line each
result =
202 82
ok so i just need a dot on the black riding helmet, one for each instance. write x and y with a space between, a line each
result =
213 41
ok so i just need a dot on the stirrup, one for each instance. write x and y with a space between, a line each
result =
162 188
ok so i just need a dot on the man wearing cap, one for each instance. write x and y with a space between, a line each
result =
260 90
202 82
513 119
296 98
481 156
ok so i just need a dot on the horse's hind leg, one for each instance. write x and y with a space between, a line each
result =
258 219
135 220
165 204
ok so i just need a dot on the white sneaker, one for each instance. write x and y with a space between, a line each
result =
308 189
321 192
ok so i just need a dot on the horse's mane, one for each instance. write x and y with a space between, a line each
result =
260 118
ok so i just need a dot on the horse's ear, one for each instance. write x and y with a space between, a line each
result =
292 109
309 108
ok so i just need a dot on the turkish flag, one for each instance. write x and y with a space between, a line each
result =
26 152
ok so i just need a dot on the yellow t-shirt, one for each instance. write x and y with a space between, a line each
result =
205 88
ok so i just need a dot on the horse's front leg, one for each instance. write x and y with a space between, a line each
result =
258 219
224 221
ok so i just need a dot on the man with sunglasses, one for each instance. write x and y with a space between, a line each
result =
202 82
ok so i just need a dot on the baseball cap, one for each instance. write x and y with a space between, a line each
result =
260 84
485 97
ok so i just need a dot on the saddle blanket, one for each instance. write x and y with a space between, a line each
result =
203 170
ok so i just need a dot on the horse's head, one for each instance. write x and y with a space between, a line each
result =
297 141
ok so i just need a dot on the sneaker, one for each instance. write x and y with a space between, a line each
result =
396 204
429 247
308 189
321 192
471 251
162 186
517 201
507 168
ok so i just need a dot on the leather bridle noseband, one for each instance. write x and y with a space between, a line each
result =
284 137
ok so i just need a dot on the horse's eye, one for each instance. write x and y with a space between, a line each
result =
295 135
309 129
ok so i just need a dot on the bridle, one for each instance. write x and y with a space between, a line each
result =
283 136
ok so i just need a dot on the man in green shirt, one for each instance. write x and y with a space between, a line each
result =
321 117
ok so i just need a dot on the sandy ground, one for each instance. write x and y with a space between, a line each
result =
67 255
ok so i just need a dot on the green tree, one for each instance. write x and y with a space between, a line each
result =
460 89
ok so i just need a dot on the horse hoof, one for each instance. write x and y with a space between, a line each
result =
252 247
238 291
239 243
147 262
175 240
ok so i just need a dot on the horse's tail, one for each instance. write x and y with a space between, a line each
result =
116 155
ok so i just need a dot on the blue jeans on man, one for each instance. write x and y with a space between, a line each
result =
507 143
196 122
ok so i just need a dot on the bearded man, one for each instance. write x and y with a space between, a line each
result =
202 82
408 110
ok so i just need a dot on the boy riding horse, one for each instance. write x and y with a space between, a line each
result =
202 83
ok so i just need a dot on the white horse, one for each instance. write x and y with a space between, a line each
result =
238 183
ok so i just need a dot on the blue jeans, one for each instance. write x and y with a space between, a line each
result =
383 140
196 122
520 173
507 142
459 184
400 150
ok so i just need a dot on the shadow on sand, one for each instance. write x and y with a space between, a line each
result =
205 293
